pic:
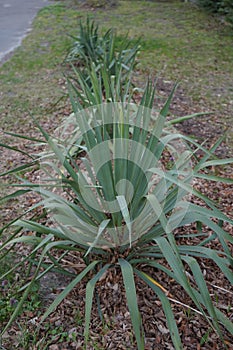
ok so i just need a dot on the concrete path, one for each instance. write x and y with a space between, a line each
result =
15 20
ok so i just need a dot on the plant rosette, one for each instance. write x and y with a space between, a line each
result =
105 181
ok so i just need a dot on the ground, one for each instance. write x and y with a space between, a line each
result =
195 49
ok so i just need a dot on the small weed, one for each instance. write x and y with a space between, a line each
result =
189 313
29 337
9 291
78 318
205 338
26 337
7 299
216 297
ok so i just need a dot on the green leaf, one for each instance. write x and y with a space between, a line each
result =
212 150
165 109
16 149
126 215
24 137
68 289
187 117
20 168
171 254
89 298
214 162
14 195
198 276
171 323
101 229
214 178
226 322
39 228
128 278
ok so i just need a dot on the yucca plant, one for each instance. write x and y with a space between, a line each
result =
88 45
91 50
112 199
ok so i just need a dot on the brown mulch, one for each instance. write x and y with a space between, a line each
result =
114 331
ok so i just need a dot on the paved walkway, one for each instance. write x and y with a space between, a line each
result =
15 20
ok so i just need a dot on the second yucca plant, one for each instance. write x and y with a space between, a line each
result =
92 51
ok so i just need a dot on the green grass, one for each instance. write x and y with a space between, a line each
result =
180 40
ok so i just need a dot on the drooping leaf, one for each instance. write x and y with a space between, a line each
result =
131 296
